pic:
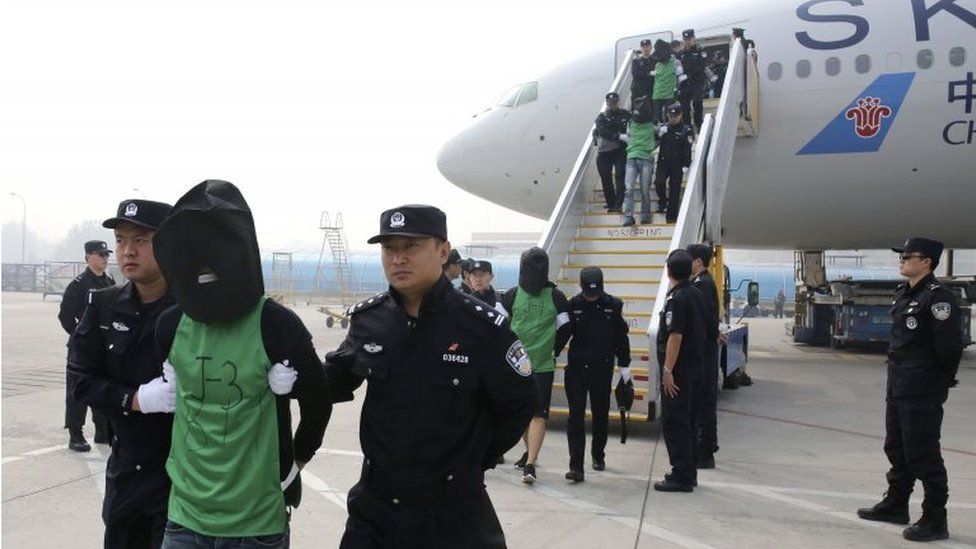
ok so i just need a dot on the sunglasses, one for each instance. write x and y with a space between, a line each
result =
906 257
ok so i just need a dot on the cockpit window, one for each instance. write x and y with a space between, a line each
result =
520 94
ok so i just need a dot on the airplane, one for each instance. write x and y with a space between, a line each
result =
868 129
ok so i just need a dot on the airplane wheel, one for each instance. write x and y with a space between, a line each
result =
329 322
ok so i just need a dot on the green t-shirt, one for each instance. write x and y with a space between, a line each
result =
665 80
224 458
642 140
534 322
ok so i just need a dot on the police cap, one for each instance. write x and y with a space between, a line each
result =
613 97
466 265
97 247
413 221
645 42
688 33
591 281
480 265
674 108
931 249
144 213
453 258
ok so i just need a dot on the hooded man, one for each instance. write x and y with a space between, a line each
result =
538 311
237 358
599 333
667 75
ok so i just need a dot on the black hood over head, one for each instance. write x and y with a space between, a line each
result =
534 270
207 249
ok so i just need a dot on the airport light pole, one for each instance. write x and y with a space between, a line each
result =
23 229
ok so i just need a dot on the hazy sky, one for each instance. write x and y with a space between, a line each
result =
306 106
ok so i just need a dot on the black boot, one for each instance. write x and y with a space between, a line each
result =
671 484
706 461
76 441
575 475
599 464
889 509
932 526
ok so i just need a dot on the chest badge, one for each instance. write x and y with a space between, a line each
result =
911 323
372 348
119 327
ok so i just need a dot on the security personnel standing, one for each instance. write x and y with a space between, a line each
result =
673 160
610 138
642 74
480 277
693 61
680 354
72 307
599 335
114 366
453 268
707 400
449 389
923 358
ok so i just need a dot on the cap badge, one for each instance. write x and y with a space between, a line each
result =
397 220
372 348
131 209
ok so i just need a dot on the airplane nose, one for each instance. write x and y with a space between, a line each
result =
450 160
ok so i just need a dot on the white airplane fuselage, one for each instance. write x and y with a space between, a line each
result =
823 173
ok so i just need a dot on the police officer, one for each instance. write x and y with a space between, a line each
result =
693 61
465 285
610 135
680 354
449 389
642 74
599 335
72 307
114 365
705 412
480 277
923 358
453 268
673 160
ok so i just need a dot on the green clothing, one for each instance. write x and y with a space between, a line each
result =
534 322
665 80
224 458
642 140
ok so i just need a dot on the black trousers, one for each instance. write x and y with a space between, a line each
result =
612 166
679 424
707 401
375 522
667 183
913 427
580 382
75 413
660 109
138 531
691 97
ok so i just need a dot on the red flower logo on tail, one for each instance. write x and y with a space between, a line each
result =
867 116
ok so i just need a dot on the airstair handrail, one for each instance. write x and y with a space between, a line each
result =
564 220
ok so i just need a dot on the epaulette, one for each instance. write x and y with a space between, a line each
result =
95 296
934 285
368 303
483 311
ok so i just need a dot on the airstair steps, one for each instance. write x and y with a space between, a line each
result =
572 272
615 230
622 246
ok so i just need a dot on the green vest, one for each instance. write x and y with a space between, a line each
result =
224 458
665 80
642 140
534 322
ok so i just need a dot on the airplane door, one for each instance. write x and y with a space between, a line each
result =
631 43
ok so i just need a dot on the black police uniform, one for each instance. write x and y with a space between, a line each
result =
708 397
599 334
923 358
611 160
447 393
683 314
489 295
674 153
642 78
690 92
73 305
112 352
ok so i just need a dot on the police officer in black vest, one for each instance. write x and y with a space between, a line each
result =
923 358
680 354
673 160
693 61
449 390
705 408
599 335
610 137
73 304
114 366
642 74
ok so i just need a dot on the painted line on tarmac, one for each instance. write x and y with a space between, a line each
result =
96 465
631 522
828 428
324 489
33 453
351 453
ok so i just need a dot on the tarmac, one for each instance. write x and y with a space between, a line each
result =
801 450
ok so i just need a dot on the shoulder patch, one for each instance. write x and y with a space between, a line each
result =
518 359
366 304
942 310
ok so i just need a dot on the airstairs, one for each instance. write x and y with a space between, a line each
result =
580 233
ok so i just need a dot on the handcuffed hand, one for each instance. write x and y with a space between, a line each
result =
157 396
281 378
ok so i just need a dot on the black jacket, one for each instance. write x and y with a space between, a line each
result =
610 124
926 339
642 79
447 393
684 313
693 61
706 285
675 145
75 297
599 333
112 352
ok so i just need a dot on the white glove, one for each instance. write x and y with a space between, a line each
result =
281 378
625 374
663 130
684 170
157 397
169 374
625 138
682 78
